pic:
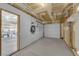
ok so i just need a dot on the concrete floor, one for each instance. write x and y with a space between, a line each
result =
46 47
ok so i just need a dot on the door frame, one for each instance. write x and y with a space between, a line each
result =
18 29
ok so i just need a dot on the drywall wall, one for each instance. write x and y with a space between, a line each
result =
52 30
26 37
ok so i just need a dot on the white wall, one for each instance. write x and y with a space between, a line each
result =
25 22
52 30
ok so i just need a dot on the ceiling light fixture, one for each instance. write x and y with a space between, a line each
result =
78 8
42 4
43 22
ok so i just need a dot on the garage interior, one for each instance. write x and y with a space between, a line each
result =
39 29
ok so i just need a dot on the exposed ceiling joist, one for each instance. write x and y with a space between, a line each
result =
46 12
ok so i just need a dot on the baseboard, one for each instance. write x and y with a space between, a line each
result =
26 46
51 38
32 43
